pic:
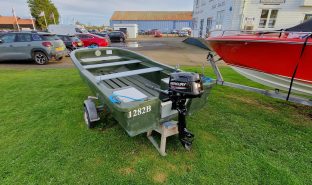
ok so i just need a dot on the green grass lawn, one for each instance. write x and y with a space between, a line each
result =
241 138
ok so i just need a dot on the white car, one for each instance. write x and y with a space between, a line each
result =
183 34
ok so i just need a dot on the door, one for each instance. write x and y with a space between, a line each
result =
6 47
86 39
23 46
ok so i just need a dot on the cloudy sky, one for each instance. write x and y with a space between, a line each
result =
96 12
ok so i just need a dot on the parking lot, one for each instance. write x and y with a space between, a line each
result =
168 50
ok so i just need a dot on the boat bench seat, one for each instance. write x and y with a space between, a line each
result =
112 64
128 73
98 59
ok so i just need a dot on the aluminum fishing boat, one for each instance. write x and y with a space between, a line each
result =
140 93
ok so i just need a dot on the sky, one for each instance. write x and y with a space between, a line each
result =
96 12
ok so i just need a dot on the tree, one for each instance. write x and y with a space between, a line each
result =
37 6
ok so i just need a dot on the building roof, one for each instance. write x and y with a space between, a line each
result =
152 16
11 20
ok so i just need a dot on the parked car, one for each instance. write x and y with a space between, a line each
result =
189 30
38 46
71 42
157 34
174 32
63 29
152 32
117 36
105 35
3 33
93 40
183 34
141 32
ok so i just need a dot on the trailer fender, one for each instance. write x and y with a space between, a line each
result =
92 111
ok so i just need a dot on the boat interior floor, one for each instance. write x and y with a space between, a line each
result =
136 81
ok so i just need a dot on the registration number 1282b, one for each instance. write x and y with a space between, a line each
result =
139 111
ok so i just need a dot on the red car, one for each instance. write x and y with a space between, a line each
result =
158 34
93 40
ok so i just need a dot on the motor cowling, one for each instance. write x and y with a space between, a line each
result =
186 84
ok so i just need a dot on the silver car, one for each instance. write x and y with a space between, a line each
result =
37 46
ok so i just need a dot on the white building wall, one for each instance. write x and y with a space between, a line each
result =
245 14
210 8
289 14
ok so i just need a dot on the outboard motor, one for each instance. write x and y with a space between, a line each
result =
183 86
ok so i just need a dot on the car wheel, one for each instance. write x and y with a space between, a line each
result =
40 58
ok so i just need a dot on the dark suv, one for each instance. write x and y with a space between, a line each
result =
117 36
71 42
38 46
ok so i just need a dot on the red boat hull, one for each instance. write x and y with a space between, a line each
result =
272 55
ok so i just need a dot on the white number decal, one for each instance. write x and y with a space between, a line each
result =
149 108
139 111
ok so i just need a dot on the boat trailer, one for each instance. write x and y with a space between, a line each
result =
213 58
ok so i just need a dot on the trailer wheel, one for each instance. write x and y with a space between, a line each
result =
87 118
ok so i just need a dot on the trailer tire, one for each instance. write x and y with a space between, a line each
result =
87 118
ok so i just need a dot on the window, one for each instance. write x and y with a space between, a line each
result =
209 24
219 21
89 37
82 36
307 17
197 3
78 30
49 37
36 37
201 27
272 19
74 39
20 37
9 38
263 18
268 18
66 39
117 34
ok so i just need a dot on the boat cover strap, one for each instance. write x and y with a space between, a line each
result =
112 64
97 59
128 73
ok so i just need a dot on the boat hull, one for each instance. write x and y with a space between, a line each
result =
108 71
277 58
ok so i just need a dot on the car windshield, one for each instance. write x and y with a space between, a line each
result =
49 37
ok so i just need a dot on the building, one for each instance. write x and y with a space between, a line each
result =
148 20
9 23
212 15
132 30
